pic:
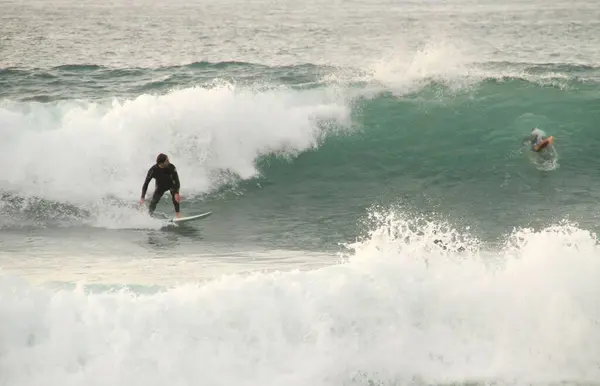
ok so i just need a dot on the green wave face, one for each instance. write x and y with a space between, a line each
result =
308 143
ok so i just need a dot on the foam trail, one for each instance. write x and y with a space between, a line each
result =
401 309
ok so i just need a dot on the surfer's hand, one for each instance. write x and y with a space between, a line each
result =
177 197
141 201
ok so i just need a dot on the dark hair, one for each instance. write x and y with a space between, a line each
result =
161 158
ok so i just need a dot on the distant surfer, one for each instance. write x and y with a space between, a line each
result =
167 179
538 140
542 151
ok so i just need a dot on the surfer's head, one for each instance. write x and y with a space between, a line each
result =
537 133
162 160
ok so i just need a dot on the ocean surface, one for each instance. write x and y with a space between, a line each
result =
377 218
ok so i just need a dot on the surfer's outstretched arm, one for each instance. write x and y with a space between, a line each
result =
176 183
149 176
175 189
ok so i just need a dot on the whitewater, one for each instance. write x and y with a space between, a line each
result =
401 311
378 217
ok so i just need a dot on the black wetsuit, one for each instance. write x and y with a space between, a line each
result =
166 179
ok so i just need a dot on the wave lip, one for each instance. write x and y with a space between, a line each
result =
405 72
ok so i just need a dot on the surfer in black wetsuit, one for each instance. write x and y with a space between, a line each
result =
167 179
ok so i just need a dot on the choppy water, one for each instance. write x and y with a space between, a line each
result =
377 218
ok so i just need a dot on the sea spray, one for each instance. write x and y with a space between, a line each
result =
400 308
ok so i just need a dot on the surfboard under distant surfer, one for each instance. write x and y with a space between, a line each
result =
539 141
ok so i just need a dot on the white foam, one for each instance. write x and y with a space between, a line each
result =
456 63
88 154
400 309
81 151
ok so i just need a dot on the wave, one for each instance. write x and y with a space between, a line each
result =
229 65
402 74
81 152
94 154
416 125
399 308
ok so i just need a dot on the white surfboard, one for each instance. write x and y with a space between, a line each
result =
190 218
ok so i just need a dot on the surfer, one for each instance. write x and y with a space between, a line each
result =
538 140
167 179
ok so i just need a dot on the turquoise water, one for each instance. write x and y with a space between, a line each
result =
377 217
297 162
